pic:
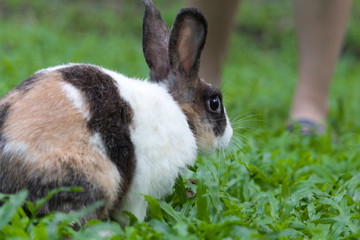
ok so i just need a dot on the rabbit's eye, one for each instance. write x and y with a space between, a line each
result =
214 104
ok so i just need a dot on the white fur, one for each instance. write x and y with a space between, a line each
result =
164 144
223 141
54 68
75 96
16 148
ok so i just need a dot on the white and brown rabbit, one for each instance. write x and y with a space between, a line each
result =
116 137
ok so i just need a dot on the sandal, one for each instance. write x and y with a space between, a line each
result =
307 127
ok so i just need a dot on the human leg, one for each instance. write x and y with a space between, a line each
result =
320 27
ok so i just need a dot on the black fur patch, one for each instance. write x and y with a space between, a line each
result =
110 116
10 181
5 185
4 111
39 184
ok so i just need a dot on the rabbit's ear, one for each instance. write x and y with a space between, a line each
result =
187 40
155 42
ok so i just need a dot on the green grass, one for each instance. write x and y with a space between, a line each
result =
270 184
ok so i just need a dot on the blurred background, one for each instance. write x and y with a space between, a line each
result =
258 78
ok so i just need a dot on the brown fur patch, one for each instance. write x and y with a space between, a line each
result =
205 124
55 135
202 130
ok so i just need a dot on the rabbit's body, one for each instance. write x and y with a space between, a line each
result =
116 137
71 144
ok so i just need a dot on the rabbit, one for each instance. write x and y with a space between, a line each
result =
116 137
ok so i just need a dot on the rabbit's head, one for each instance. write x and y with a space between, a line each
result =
173 57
